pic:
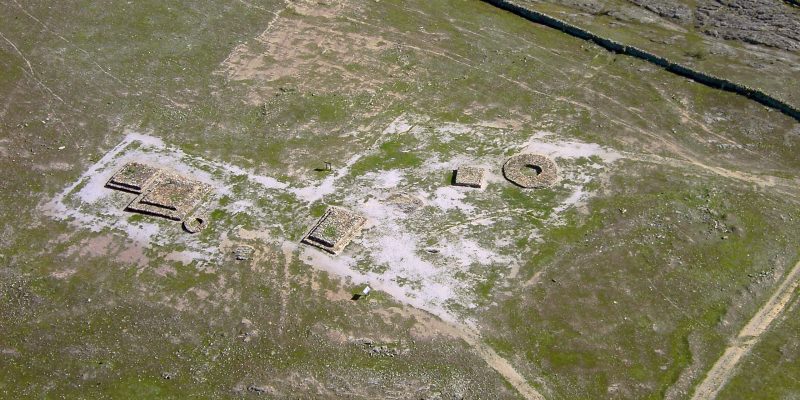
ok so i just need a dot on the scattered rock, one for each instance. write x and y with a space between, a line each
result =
260 389
405 202
243 253
377 350
247 331
384 351
362 341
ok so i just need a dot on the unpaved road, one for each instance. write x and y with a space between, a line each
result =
499 364
724 368
494 360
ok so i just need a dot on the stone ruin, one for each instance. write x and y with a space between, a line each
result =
334 230
470 176
531 171
194 224
406 202
133 177
243 253
161 193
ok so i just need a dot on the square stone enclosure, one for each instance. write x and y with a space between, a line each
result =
133 177
470 177
334 230
161 193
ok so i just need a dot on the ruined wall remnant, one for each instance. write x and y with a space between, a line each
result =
170 196
531 171
243 253
160 192
470 177
194 224
335 229
133 177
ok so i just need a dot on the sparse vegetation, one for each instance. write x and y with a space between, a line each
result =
675 218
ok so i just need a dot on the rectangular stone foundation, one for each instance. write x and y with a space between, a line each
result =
133 177
470 177
161 193
334 230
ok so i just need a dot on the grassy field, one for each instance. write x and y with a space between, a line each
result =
775 359
673 222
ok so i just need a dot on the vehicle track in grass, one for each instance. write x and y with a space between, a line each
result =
748 337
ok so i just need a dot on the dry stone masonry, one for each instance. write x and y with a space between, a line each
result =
471 177
194 224
133 177
243 253
531 171
335 229
160 192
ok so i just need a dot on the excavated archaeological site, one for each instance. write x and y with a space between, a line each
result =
392 222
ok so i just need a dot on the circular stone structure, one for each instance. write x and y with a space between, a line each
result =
531 171
194 224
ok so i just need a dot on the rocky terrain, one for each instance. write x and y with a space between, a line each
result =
672 9
772 23
766 22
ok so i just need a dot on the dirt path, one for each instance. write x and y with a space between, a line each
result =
432 323
724 368
776 184
499 364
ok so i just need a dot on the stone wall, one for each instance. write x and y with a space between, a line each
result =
687 72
